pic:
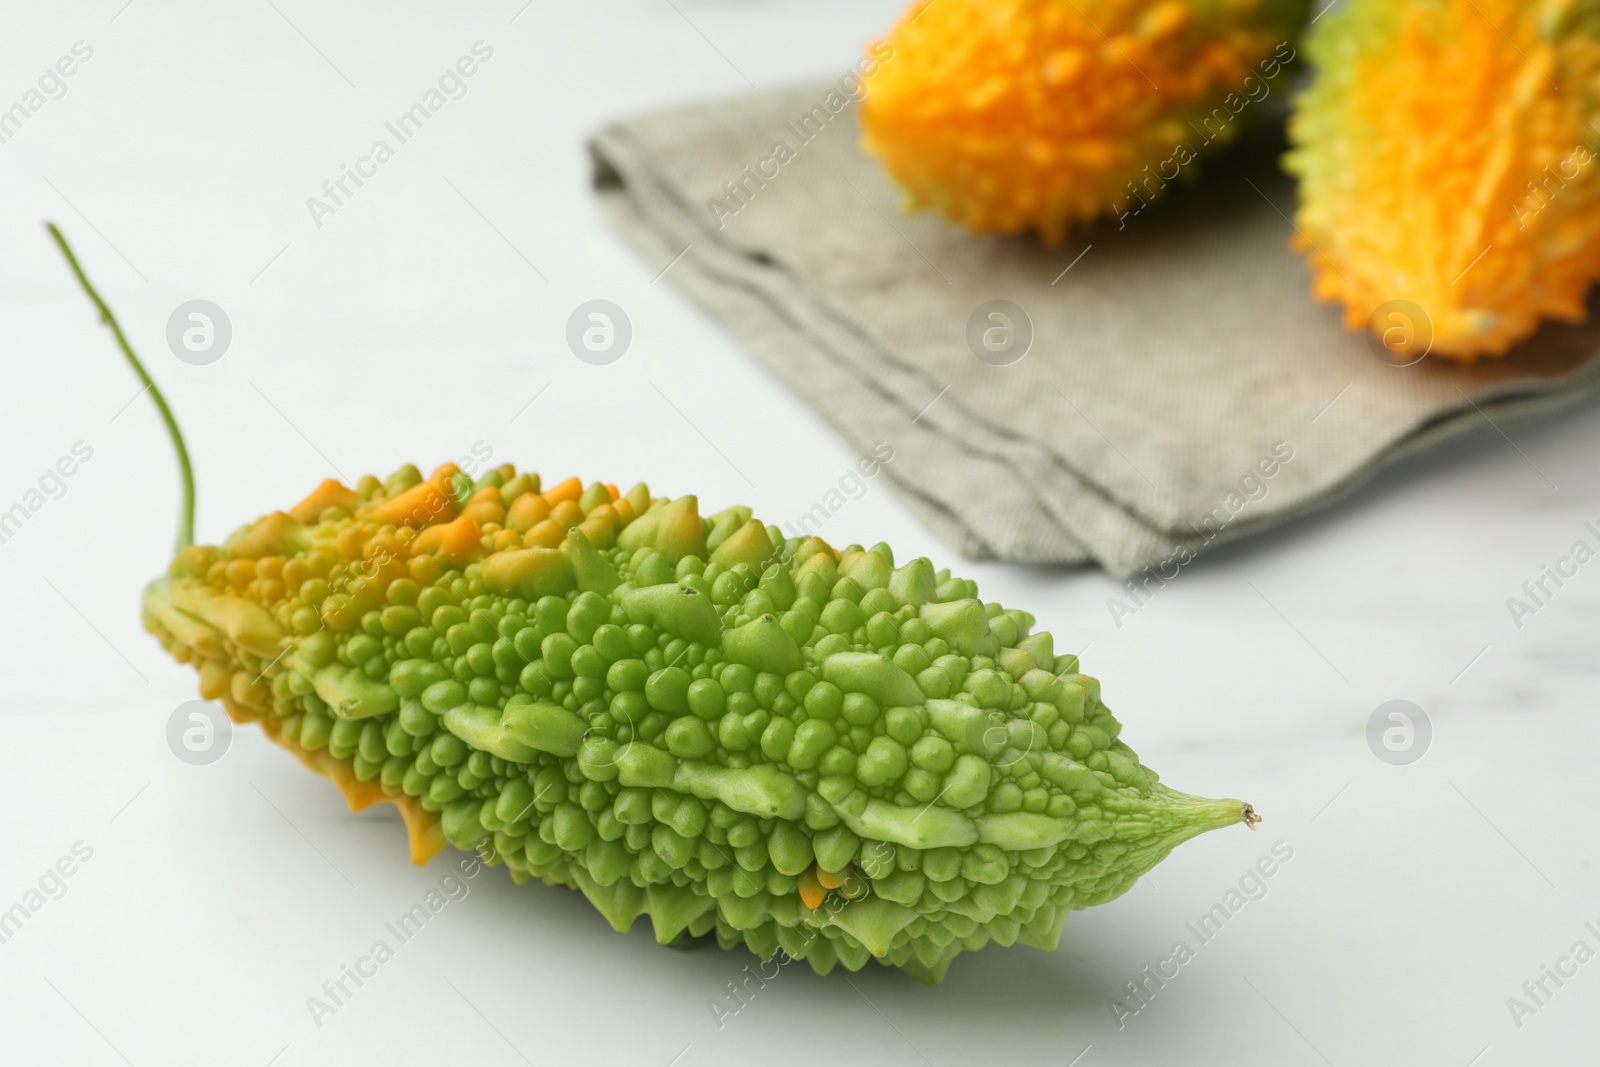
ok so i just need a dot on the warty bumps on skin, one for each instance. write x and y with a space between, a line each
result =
1043 115
697 719
691 718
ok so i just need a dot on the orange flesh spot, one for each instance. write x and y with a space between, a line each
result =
571 489
421 505
832 879
330 493
811 893
454 542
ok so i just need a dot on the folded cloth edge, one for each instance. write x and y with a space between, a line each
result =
648 211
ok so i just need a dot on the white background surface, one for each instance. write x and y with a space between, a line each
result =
414 323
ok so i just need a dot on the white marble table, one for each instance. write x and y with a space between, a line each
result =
207 904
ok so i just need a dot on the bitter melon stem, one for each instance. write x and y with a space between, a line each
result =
186 517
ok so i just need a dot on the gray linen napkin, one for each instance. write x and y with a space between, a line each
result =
1182 387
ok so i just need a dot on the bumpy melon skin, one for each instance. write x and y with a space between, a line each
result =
1446 158
1036 115
701 720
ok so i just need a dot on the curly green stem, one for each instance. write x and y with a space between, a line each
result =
186 517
